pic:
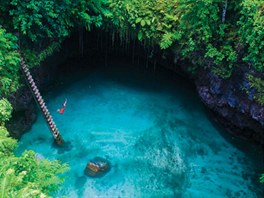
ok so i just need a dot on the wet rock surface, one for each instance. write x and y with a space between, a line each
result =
231 101
232 107
23 114
97 167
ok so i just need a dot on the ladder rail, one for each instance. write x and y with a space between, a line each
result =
41 103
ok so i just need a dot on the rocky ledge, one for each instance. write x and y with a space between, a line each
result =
230 100
233 107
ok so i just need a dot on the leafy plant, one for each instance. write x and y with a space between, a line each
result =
5 111
42 19
251 32
34 58
9 63
26 176
191 27
258 85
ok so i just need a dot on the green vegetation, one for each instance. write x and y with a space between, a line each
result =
212 34
215 35
194 29
5 111
26 176
251 32
9 63
258 85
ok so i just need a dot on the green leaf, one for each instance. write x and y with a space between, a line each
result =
148 22
142 23
140 36
138 20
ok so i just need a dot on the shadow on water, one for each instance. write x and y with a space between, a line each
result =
254 152
66 147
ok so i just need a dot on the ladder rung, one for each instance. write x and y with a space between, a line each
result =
41 102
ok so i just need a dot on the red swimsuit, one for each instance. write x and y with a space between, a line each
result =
61 111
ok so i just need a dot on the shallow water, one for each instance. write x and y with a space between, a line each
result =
154 131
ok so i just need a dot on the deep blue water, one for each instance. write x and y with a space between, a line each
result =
152 128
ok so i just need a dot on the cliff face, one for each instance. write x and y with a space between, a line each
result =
23 112
231 100
232 106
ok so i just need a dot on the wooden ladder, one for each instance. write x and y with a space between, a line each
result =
38 98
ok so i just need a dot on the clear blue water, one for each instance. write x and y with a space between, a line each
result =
154 131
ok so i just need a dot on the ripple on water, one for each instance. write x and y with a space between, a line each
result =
157 138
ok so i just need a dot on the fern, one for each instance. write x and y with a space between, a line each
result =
258 85
166 41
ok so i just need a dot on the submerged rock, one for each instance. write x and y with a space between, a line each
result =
97 167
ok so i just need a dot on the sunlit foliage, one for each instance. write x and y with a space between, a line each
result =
194 28
5 111
26 176
257 84
251 32
9 63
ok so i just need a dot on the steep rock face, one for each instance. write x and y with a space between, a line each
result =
23 112
232 107
230 100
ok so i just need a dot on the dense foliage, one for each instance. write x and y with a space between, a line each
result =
5 111
214 34
26 176
218 35
9 63
251 32
257 86
211 34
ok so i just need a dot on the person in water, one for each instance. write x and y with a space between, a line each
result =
62 109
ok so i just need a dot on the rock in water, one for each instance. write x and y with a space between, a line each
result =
97 167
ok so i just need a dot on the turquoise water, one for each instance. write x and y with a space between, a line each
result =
154 131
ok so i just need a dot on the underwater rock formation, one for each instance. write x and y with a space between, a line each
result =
97 167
